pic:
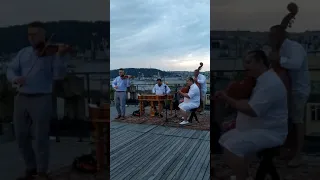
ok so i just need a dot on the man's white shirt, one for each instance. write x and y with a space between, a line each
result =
203 83
294 58
161 90
269 101
194 94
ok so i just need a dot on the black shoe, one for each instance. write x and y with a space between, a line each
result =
30 175
118 117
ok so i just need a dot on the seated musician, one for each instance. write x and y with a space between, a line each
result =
191 100
261 121
160 89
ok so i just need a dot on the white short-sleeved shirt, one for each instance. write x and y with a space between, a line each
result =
203 83
161 90
294 58
269 101
194 94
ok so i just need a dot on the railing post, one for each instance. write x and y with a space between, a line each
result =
88 86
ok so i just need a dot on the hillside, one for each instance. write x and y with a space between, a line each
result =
75 33
147 72
150 72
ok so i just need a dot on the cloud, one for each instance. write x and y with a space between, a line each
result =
159 34
260 15
15 12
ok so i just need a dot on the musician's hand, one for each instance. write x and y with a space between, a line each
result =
116 87
62 48
20 80
179 92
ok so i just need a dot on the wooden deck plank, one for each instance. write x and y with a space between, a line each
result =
156 169
116 125
199 163
125 154
181 166
202 172
190 166
158 152
127 138
207 173
142 155
155 156
170 164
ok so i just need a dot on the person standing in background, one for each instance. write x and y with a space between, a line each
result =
201 79
34 74
293 57
120 85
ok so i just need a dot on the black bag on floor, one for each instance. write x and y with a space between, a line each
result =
136 113
85 163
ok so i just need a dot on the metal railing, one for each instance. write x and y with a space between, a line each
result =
95 89
101 82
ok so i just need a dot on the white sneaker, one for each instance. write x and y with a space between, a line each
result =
184 122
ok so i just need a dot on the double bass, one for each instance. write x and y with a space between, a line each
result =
195 79
186 88
243 89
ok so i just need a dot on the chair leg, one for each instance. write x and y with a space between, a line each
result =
195 116
191 117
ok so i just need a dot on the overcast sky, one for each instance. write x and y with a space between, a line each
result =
261 14
13 12
162 34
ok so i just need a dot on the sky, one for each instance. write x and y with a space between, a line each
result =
260 15
14 12
171 35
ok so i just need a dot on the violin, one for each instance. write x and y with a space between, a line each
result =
127 77
243 89
186 88
50 49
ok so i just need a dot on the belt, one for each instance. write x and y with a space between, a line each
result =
34 95
120 91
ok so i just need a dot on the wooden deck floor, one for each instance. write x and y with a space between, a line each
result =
157 152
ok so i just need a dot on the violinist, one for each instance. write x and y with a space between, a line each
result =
191 100
120 85
201 79
34 74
